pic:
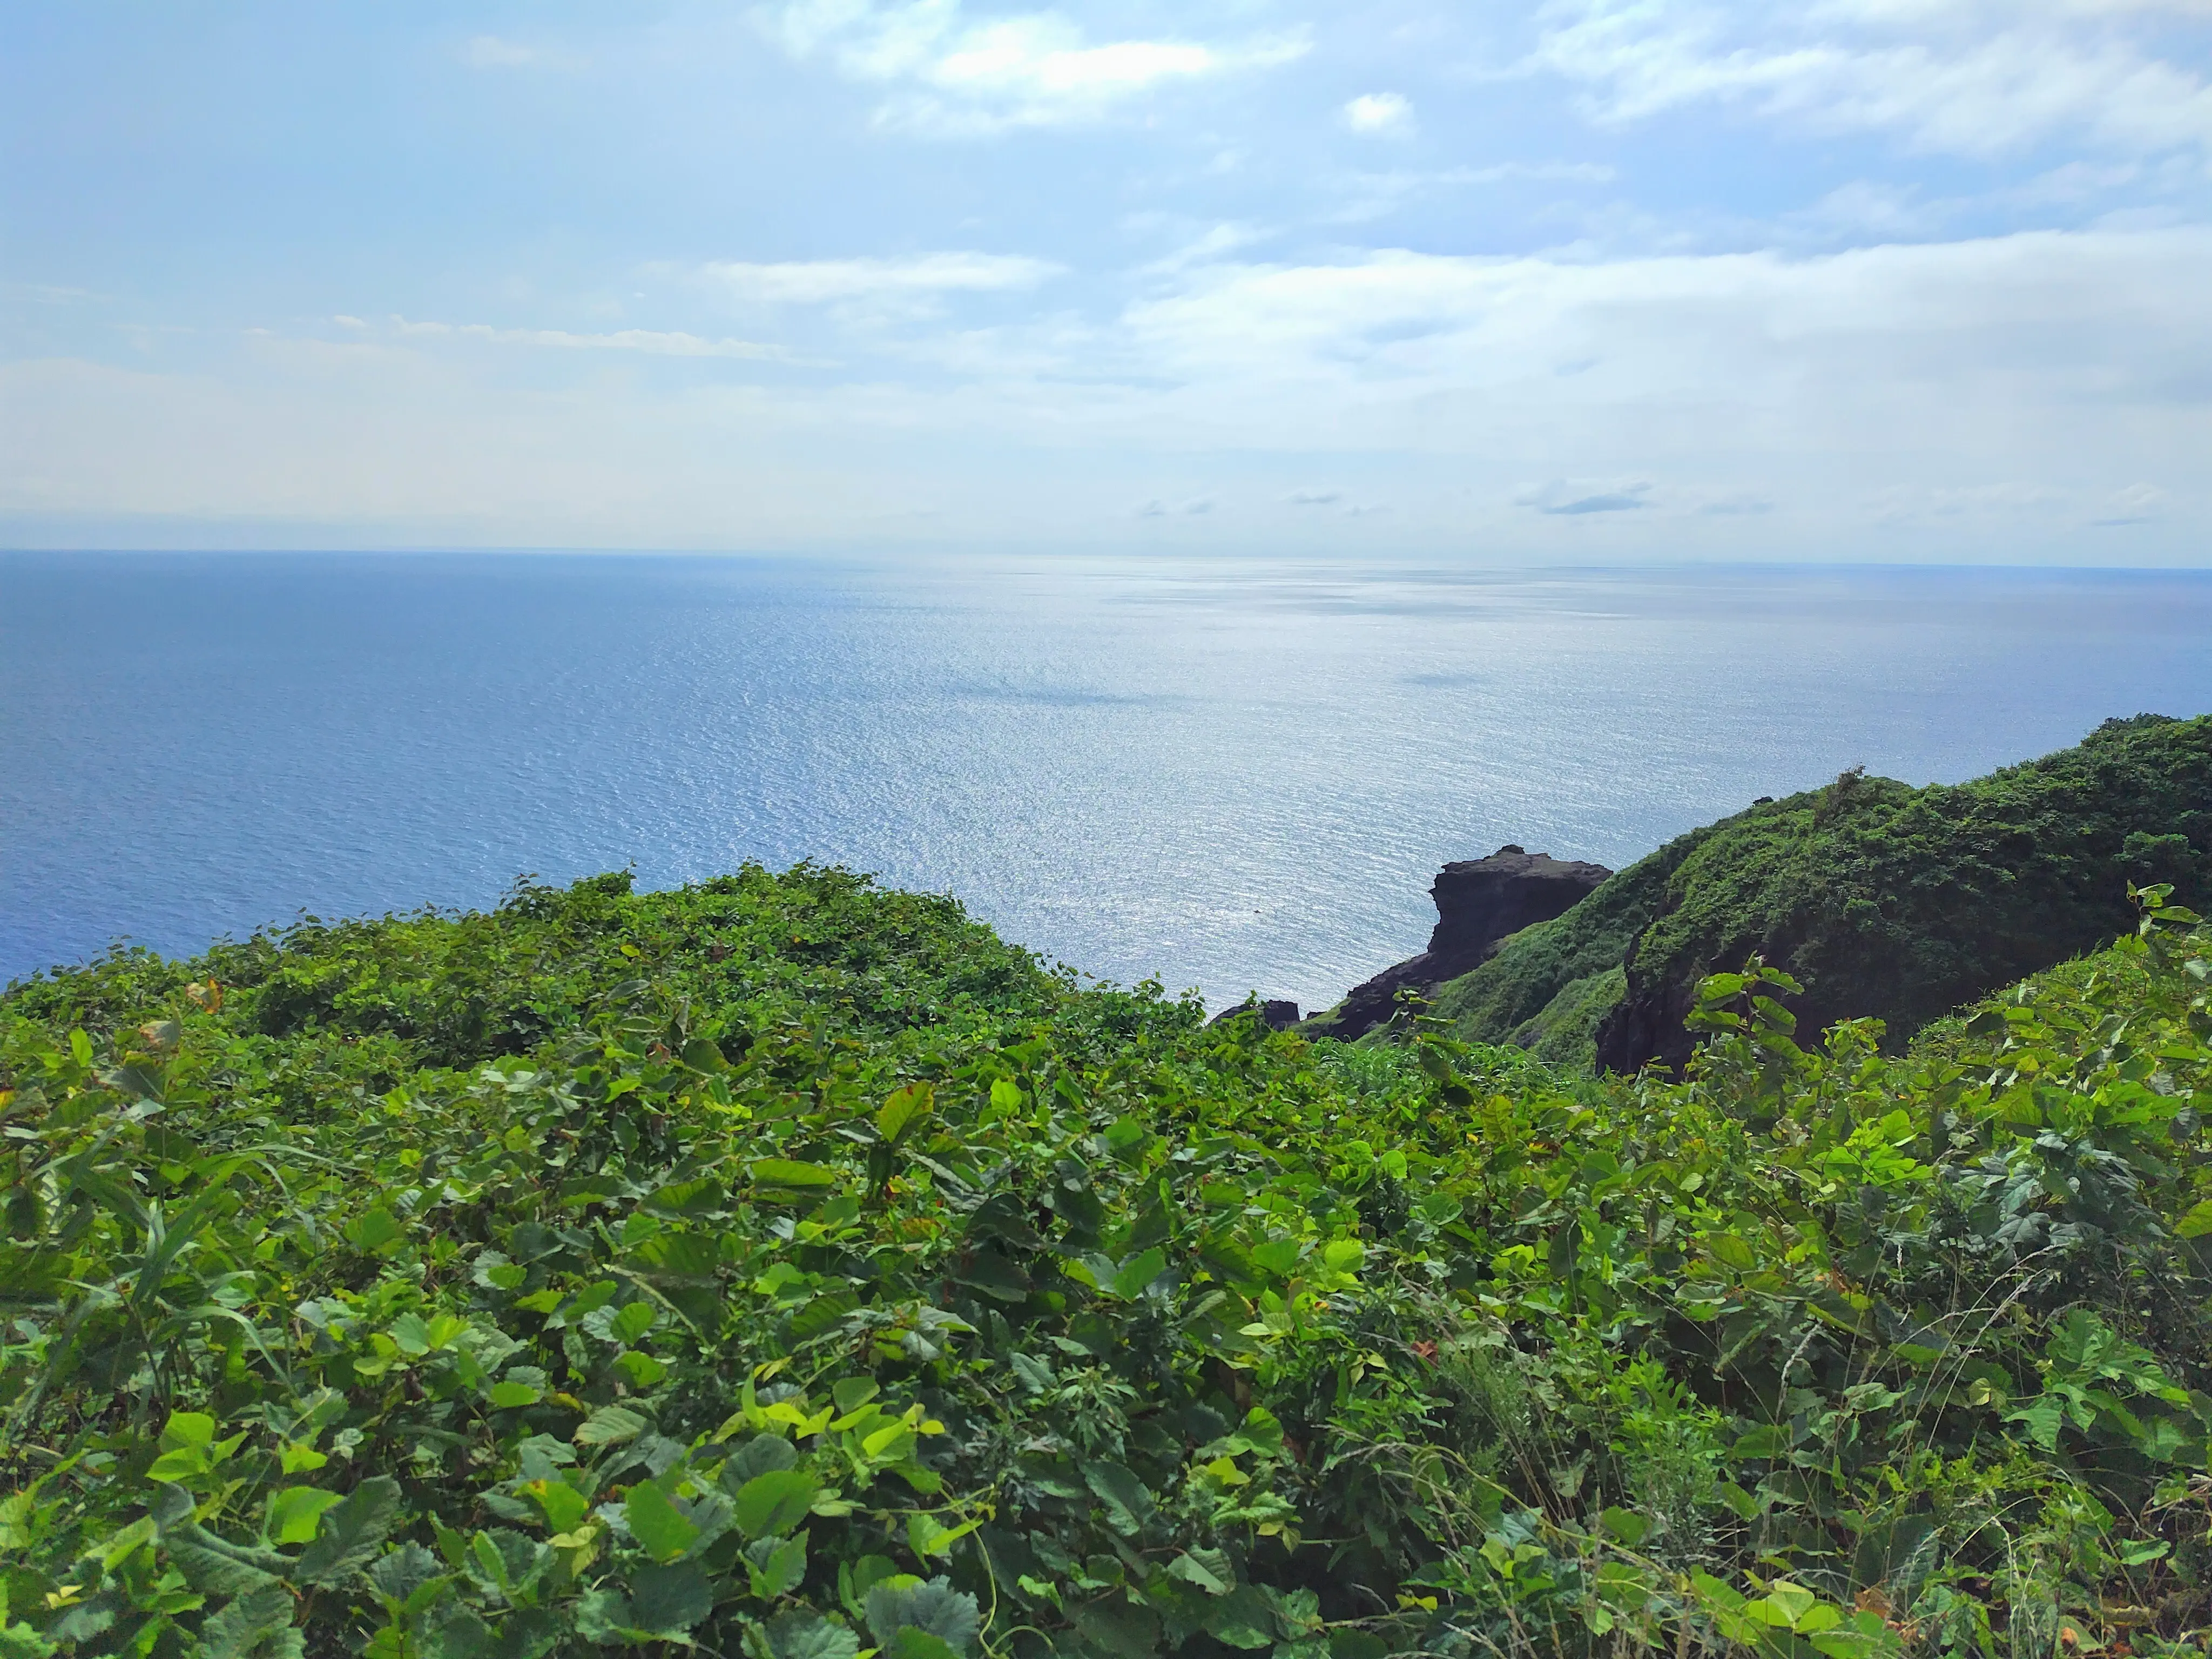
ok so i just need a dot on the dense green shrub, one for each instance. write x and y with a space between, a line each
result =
786 1267
1880 899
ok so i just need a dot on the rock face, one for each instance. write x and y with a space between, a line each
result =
1276 1016
1479 903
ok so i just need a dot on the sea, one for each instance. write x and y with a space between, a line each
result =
1228 775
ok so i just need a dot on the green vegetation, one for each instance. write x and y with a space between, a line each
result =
1882 900
787 1268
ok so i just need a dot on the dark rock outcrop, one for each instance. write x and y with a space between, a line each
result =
1479 903
1276 1016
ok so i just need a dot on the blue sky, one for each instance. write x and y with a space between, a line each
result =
1586 280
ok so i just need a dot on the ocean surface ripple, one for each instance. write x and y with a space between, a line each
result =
1227 774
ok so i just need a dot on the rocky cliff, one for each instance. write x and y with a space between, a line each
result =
1479 903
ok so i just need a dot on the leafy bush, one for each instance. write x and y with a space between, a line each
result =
1880 899
786 1267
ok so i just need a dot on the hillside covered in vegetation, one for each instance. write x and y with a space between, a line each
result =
788 1268
1882 900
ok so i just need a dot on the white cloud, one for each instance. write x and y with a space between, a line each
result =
1379 115
652 341
2048 306
1887 400
1211 245
48 294
954 77
2139 503
1570 498
817 281
1955 75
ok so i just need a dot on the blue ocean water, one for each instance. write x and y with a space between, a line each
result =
1234 775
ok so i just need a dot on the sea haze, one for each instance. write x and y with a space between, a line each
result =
1231 774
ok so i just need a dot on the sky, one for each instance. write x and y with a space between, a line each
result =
1587 281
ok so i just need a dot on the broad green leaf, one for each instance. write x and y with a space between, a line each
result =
641 1368
1124 1631
1790 1602
670 1601
250 1625
1714 1593
217 1567
701 1056
374 1229
777 1565
604 1617
934 1607
761 1455
1626 1526
562 1504
495 1273
661 1531
508 1396
1128 1504
791 1173
807 1635
188 1429
1862 1636
1242 1618
2198 1222
1261 1431
1207 1569
118 1548
1731 1252
685 1198
774 1503
926 1535
351 1534
406 1569
908 1643
609 1425
1278 1256
294 1511
903 1111
1138 1271
2044 1416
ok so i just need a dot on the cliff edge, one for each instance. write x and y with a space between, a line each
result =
1882 899
1479 902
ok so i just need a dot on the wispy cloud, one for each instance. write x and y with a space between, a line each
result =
955 77
652 342
50 294
1567 498
819 282
2139 503
1948 75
